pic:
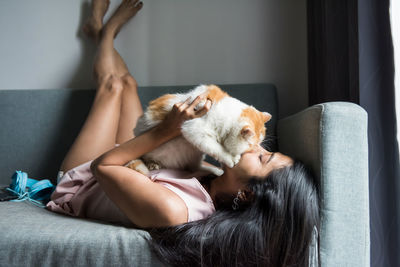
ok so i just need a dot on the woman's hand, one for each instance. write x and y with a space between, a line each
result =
181 112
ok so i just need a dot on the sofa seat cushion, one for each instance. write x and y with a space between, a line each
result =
33 236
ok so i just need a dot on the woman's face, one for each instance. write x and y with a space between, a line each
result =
259 163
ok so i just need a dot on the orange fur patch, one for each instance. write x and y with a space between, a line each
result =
157 107
133 164
256 119
215 94
136 164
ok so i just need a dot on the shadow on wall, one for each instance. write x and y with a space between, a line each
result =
82 76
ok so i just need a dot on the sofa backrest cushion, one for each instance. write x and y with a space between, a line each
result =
38 126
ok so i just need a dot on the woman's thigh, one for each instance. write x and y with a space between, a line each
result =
98 134
131 109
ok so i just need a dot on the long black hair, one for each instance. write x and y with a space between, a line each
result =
276 227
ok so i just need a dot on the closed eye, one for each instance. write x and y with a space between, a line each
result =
270 158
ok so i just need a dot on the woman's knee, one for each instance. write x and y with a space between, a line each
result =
128 81
111 83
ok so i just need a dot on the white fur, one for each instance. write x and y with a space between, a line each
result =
217 133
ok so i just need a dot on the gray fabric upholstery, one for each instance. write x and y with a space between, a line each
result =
332 139
32 236
38 126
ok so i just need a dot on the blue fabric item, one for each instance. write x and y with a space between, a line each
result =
18 182
29 189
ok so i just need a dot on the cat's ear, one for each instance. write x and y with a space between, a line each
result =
247 132
266 116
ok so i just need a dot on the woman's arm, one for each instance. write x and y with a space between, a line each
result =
147 204
135 148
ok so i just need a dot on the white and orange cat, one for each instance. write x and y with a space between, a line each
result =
227 130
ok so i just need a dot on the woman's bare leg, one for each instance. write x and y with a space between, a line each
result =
101 129
131 108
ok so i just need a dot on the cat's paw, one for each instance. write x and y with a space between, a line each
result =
139 166
217 171
231 161
213 169
236 159
153 166
228 162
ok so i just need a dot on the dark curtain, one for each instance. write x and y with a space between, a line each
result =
351 59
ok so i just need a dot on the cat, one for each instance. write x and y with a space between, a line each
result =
227 130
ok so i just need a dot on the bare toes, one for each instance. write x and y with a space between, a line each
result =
133 4
126 10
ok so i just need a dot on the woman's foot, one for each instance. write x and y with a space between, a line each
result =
94 23
126 10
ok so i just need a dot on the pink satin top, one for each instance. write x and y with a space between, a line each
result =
79 194
185 185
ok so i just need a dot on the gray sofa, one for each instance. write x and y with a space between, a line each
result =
38 126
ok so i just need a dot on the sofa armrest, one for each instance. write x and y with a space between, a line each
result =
331 138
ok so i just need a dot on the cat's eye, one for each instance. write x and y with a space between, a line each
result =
260 157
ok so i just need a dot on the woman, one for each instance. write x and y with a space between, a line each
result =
267 204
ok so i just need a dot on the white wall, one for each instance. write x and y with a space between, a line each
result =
168 43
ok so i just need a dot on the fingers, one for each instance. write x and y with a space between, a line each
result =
196 101
205 109
184 103
188 107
